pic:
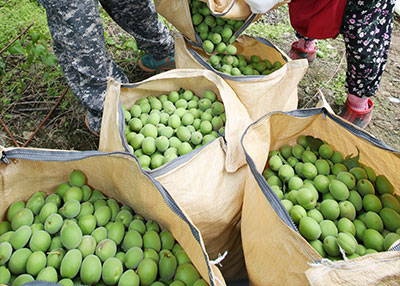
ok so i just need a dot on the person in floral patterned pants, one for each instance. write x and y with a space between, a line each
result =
366 27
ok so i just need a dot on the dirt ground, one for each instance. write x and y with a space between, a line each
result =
65 129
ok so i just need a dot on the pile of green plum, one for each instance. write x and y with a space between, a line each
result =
217 36
337 203
239 65
79 236
214 31
159 129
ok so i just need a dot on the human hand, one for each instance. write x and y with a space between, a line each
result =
262 6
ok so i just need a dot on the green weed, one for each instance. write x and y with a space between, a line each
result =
269 31
337 85
272 29
15 16
120 44
29 65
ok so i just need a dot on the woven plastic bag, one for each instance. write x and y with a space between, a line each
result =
25 171
275 253
208 182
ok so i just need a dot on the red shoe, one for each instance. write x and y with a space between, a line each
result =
299 53
359 118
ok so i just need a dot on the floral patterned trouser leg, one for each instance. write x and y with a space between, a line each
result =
366 29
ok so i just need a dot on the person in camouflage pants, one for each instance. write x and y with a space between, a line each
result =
78 41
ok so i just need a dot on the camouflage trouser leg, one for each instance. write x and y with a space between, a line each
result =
78 41
140 19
